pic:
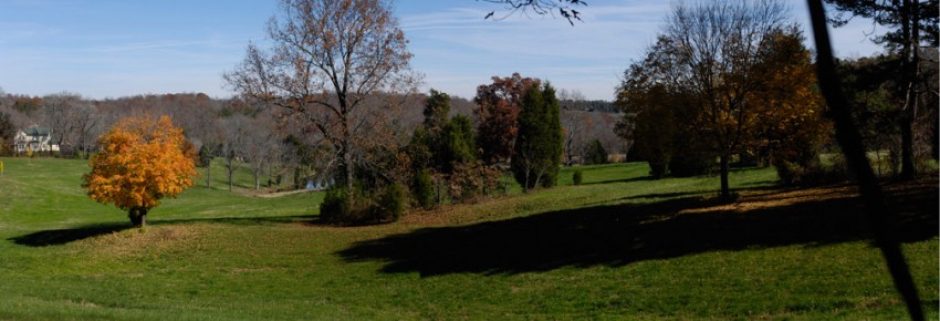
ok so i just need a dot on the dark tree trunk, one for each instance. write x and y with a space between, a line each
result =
347 163
230 169
297 178
138 216
209 175
880 219
724 168
908 170
909 55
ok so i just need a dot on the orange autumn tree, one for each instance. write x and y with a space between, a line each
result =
142 160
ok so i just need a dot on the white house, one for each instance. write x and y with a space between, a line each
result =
34 138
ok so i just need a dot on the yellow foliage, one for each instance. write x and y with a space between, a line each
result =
141 161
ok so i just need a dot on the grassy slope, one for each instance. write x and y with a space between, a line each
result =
199 261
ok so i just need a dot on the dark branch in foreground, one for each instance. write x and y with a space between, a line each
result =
565 8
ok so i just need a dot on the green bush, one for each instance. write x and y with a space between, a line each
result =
577 177
342 207
423 189
813 173
336 205
391 204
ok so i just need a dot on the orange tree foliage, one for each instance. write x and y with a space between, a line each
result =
141 161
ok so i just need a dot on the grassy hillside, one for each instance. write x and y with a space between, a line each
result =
619 247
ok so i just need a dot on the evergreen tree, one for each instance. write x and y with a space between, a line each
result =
538 148
436 109
458 143
596 154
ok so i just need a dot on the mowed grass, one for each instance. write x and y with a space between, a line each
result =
619 247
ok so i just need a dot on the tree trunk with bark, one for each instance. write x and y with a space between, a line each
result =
138 216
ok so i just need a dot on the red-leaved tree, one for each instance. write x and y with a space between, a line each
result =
499 105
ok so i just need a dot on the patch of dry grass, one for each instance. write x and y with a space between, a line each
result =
147 240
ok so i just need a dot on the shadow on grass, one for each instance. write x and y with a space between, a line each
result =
63 236
623 234
621 180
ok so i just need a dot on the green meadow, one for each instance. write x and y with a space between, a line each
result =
618 247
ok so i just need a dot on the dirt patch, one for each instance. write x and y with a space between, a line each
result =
148 240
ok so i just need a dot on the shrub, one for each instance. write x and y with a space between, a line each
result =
387 205
336 205
812 173
391 204
577 177
471 180
423 189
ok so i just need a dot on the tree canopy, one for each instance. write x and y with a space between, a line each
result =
141 161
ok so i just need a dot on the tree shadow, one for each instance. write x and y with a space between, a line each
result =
68 235
62 236
623 234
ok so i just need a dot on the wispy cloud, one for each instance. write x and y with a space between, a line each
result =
594 52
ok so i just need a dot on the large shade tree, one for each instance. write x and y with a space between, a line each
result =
327 58
717 49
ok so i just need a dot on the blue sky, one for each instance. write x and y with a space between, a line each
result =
111 48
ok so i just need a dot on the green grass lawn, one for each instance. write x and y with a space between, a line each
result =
618 247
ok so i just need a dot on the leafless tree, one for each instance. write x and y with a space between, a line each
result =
235 132
57 114
261 146
328 56
576 125
85 120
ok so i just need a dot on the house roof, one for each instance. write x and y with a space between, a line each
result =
36 131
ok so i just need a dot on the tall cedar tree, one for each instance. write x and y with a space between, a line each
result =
500 103
140 162
436 109
458 146
538 150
